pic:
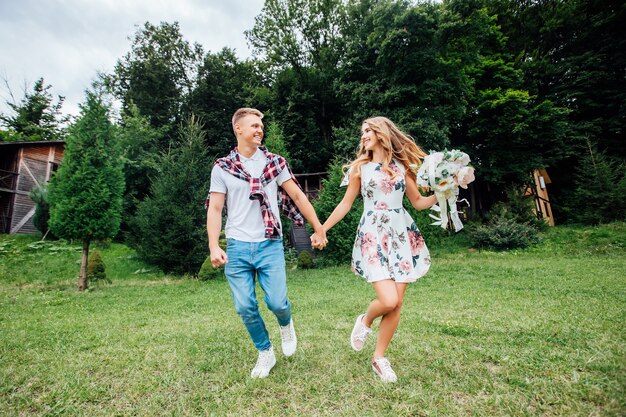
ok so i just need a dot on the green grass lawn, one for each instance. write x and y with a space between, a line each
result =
533 332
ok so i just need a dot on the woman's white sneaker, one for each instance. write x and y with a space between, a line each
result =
359 334
264 363
289 340
382 367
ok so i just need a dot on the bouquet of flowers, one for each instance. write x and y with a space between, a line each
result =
444 172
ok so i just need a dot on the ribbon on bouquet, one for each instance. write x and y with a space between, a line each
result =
445 198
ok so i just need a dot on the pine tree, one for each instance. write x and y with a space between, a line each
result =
598 196
86 192
169 229
275 140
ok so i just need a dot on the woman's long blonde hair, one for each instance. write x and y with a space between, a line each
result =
397 145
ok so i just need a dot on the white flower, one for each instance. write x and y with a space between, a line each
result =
460 158
465 176
434 158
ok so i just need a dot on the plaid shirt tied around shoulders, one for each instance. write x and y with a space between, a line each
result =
275 165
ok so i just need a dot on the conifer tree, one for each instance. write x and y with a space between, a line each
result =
169 229
86 192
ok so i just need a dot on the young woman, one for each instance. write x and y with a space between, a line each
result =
389 251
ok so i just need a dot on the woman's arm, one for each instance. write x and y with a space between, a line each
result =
346 203
416 199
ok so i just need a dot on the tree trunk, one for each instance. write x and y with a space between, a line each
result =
82 279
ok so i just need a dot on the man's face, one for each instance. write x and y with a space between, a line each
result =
250 130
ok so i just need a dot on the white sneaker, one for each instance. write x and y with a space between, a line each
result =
359 334
383 368
289 339
264 363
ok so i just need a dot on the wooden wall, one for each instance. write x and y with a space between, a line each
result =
35 166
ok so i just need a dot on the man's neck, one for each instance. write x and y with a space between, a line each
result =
247 151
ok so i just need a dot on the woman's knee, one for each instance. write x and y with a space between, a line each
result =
389 303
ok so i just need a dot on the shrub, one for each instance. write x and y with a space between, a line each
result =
305 260
519 208
503 233
208 271
341 236
96 269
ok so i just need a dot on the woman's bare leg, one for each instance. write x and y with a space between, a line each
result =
389 322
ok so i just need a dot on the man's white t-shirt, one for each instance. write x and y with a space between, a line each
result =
244 220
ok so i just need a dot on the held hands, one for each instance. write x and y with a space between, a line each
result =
318 239
218 257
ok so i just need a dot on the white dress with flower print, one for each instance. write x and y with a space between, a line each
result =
388 243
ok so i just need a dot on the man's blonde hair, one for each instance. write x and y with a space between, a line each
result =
242 112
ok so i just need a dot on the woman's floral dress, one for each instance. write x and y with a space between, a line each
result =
388 243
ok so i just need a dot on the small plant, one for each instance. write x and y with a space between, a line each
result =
208 271
305 260
39 195
96 269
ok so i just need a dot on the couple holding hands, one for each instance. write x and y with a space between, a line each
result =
255 185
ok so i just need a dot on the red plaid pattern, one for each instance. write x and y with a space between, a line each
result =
275 165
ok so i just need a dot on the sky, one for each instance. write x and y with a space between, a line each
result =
67 42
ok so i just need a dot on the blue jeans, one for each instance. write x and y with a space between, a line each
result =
266 261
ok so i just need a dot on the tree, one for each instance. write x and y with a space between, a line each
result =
170 224
507 131
393 67
86 192
157 74
274 140
600 187
301 42
139 148
299 33
223 85
36 117
571 53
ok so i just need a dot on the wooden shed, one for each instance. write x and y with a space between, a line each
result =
23 166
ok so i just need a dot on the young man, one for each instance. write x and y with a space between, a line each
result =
249 183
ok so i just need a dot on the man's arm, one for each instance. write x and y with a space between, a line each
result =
213 227
306 208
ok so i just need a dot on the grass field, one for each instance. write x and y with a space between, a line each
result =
537 332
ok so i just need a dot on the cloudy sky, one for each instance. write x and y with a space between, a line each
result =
68 41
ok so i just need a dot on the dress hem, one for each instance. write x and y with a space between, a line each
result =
409 281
